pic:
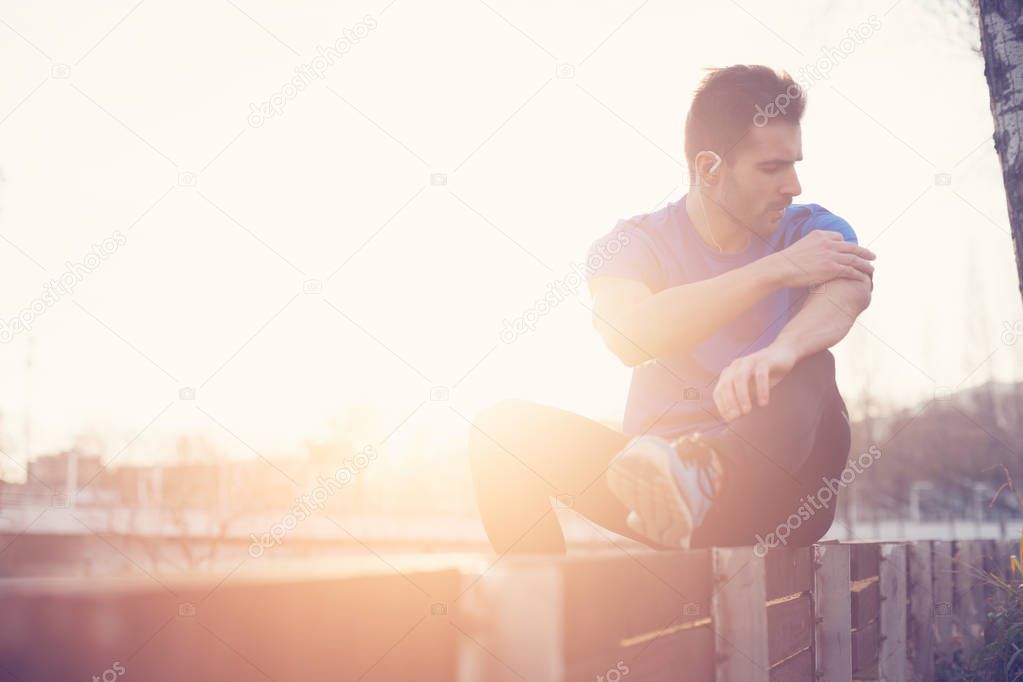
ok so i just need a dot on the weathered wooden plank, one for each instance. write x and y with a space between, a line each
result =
941 567
866 601
989 552
689 656
993 571
892 654
832 634
865 558
373 627
865 647
584 617
964 602
789 571
796 668
609 597
920 627
980 588
789 627
512 618
740 615
668 655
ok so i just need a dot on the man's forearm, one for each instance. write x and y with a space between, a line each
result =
825 318
679 317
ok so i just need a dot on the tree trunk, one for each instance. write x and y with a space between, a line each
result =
1001 40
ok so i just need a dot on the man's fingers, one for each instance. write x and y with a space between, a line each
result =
725 395
742 379
719 400
762 377
852 273
862 265
857 250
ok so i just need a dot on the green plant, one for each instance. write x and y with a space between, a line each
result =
1001 657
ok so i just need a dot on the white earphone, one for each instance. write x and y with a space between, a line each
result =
713 168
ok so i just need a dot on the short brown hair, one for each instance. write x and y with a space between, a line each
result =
730 100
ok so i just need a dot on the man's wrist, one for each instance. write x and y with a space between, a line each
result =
775 271
789 345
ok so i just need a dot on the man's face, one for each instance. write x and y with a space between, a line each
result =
760 180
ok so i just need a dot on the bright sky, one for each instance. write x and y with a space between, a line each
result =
136 119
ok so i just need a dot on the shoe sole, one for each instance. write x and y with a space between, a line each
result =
641 478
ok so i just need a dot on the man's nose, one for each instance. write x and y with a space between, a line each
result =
792 188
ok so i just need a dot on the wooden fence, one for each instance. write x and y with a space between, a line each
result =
833 611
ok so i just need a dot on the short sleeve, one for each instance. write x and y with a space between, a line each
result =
626 251
823 219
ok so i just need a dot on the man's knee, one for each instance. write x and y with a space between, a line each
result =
808 379
498 416
818 524
496 424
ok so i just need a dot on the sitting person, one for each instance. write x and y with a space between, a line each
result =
724 303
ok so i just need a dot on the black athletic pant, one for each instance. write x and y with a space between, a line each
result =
522 454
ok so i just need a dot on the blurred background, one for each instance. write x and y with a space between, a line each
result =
252 248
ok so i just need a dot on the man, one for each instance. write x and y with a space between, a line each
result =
724 303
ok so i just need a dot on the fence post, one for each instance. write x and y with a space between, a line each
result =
739 612
920 629
990 565
832 632
941 568
514 614
865 596
964 602
891 661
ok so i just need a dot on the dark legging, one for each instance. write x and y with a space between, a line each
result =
521 454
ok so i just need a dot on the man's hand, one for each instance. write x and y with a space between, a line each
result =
823 255
763 369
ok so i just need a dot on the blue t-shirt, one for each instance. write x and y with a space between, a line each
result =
675 394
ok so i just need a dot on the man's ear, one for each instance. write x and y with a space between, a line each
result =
703 165
708 164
